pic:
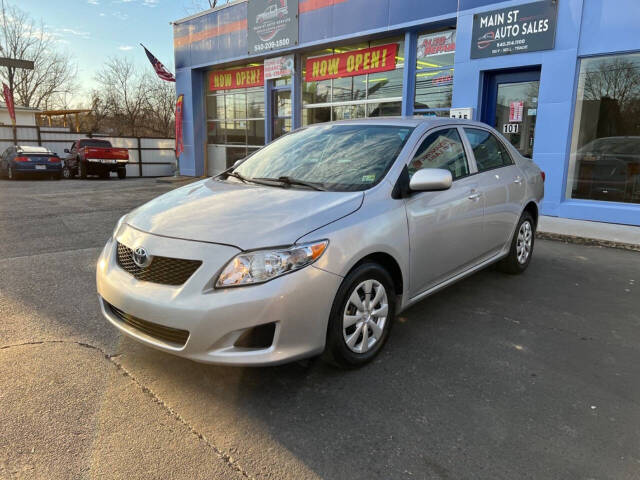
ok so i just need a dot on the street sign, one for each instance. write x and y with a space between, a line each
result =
528 27
271 25
16 63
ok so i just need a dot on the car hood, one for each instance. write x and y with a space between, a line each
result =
246 216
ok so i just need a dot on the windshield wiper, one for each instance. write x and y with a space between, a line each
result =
236 175
293 181
244 179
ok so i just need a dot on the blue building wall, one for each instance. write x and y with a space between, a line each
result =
584 28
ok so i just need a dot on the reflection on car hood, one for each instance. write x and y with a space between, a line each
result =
243 215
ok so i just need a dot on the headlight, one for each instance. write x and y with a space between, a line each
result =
118 225
263 265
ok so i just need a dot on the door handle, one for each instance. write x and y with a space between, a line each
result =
517 180
473 196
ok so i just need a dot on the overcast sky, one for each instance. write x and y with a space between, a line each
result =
93 30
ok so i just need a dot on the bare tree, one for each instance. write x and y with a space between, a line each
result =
131 102
51 82
161 107
197 6
125 93
617 79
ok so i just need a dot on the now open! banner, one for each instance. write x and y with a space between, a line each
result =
350 64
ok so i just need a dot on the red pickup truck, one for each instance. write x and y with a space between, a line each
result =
90 156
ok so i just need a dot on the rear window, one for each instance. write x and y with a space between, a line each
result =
95 143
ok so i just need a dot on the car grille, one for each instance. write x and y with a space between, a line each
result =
163 270
166 334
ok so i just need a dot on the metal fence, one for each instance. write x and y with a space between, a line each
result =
148 157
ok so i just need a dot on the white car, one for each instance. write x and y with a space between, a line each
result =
315 242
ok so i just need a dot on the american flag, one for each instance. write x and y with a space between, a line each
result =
162 72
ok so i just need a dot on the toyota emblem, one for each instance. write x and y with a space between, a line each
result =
141 258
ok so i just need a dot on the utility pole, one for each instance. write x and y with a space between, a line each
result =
12 64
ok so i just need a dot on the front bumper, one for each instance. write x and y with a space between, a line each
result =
299 304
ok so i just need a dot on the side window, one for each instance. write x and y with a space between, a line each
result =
487 149
441 149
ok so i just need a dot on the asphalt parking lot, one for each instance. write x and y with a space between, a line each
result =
498 377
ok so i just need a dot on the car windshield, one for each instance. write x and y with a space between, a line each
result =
333 157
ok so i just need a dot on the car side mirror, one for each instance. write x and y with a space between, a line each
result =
66 150
430 180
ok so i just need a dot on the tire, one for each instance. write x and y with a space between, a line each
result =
346 346
57 176
67 173
521 249
11 175
82 170
122 173
105 174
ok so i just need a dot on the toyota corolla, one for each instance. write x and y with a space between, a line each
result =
314 243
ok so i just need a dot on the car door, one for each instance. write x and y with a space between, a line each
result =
502 185
445 227
71 159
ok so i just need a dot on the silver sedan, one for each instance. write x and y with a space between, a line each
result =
314 243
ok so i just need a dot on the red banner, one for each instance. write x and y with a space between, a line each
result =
8 99
179 116
237 78
350 64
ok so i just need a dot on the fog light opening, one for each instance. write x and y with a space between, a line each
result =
259 337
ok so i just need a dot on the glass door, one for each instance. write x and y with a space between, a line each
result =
281 111
511 106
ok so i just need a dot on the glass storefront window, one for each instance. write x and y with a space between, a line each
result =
374 94
434 84
235 124
316 115
605 148
434 89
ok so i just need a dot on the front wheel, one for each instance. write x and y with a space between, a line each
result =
67 173
361 316
122 173
521 249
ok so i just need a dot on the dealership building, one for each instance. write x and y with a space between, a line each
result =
559 78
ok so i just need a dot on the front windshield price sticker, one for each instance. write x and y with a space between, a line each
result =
511 128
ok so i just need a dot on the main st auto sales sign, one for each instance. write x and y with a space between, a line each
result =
271 25
525 28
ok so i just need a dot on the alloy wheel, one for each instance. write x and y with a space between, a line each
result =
365 316
524 242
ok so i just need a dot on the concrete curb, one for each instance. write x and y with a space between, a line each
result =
586 241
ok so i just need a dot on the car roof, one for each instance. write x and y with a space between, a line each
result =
31 149
414 121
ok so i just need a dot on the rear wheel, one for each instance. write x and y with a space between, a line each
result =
105 174
361 316
122 173
521 249
67 173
